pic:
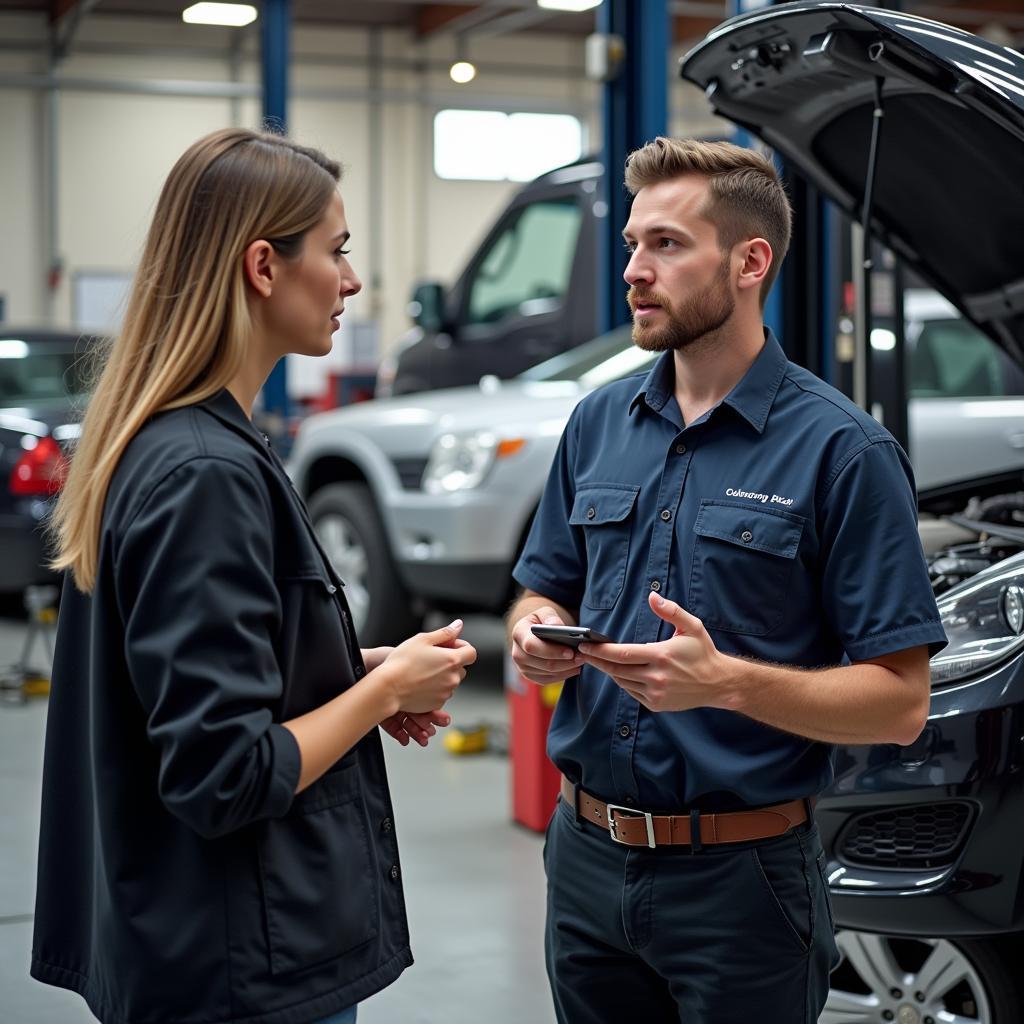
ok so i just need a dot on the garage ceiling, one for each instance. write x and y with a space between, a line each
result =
691 18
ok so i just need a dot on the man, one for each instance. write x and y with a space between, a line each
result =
739 529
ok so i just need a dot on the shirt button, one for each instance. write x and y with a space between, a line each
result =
746 536
666 515
393 873
680 449
656 585
624 731
591 512
386 826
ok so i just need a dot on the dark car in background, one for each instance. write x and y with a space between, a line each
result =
42 383
925 844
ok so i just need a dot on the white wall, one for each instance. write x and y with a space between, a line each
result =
116 147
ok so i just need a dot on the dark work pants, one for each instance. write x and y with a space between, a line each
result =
730 935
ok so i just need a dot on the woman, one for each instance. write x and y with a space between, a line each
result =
217 840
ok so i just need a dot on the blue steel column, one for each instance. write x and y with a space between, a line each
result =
635 111
274 52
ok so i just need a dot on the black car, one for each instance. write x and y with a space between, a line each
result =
43 378
925 843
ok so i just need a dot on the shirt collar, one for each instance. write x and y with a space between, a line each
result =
752 397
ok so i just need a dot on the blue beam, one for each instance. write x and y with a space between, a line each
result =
274 52
635 111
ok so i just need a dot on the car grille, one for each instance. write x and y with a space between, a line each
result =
410 472
918 836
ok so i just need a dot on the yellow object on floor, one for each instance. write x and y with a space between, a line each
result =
470 740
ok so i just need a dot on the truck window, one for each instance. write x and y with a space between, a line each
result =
527 266
953 359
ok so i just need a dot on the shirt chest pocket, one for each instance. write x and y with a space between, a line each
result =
604 511
743 560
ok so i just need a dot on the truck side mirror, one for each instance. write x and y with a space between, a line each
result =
427 306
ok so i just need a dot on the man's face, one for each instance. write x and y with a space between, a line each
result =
680 287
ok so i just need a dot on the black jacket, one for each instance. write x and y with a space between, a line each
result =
180 879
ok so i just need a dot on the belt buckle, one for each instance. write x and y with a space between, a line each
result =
610 810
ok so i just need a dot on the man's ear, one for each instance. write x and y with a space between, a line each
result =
757 261
259 264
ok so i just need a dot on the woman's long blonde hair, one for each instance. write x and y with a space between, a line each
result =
187 321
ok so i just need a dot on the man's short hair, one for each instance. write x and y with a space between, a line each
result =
747 199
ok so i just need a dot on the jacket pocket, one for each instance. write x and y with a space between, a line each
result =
603 510
316 865
743 559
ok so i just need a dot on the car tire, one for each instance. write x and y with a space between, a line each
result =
885 977
348 525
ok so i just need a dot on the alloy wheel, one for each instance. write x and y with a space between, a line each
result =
887 980
348 556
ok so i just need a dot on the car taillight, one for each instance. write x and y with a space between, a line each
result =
40 471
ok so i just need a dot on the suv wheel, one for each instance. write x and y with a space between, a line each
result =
346 520
883 978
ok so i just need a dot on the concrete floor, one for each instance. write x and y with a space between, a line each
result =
474 881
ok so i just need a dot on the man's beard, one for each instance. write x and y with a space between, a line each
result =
698 317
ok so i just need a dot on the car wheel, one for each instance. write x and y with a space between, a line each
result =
883 978
348 525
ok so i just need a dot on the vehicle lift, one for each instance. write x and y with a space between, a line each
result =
22 680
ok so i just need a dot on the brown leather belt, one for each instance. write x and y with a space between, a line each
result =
639 828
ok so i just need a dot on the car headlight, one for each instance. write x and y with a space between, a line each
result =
460 462
984 622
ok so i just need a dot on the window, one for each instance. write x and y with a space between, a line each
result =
953 359
526 268
487 145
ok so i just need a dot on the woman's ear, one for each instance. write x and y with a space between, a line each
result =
258 263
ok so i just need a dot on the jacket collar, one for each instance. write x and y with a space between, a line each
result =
752 397
225 407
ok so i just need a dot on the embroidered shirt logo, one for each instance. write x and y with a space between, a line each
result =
764 499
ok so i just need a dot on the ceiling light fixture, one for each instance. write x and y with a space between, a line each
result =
462 71
233 15
568 5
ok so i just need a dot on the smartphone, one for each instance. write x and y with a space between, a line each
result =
570 636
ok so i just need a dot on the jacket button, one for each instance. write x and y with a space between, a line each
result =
331 588
746 536
385 825
624 731
591 512
666 515
656 586
393 873
359 673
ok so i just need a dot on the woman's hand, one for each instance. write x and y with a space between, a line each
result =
414 725
420 675
374 657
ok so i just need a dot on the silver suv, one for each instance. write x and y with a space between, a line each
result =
424 501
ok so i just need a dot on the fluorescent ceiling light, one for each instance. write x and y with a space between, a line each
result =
568 5
235 15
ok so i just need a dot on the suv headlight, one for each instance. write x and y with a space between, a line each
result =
460 462
984 622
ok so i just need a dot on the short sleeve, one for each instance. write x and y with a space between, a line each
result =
875 588
554 559
194 572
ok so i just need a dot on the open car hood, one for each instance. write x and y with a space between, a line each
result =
949 185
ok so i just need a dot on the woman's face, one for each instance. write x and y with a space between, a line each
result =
309 296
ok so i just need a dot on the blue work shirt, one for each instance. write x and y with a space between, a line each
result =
784 518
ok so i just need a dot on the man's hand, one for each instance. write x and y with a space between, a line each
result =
418 726
677 674
539 660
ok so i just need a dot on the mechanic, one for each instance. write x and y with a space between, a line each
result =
685 873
